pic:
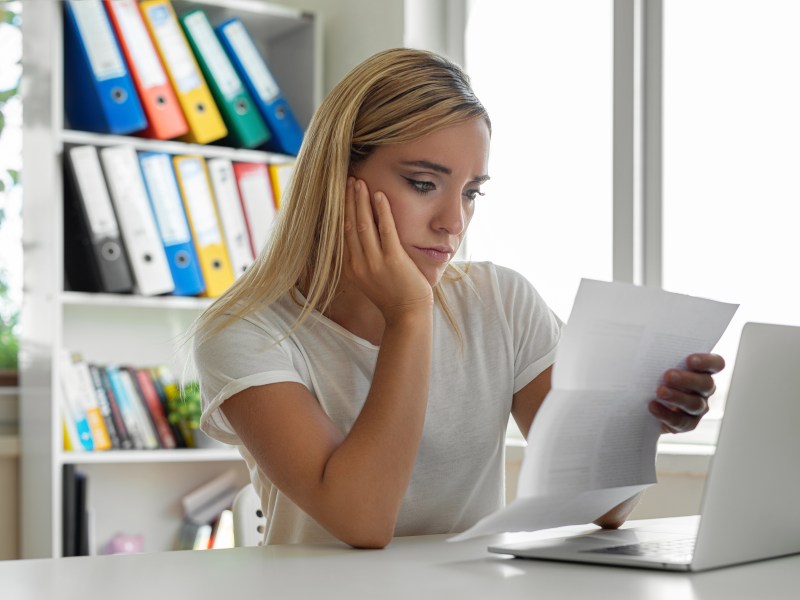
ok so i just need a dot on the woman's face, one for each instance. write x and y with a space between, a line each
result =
432 184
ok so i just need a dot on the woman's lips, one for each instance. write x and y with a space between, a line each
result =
440 254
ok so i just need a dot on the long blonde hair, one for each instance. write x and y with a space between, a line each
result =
395 96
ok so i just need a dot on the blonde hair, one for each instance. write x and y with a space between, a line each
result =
395 96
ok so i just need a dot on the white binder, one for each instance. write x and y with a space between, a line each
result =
139 231
258 202
229 206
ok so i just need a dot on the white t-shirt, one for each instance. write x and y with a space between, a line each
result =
510 336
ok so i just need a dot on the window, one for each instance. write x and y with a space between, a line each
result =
727 206
731 155
544 72
10 191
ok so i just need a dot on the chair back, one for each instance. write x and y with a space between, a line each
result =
249 522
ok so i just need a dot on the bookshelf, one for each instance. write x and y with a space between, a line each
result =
133 492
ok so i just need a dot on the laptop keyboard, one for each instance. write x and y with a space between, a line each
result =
679 550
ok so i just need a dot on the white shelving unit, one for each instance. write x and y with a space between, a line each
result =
132 492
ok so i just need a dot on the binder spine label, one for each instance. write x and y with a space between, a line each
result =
198 196
176 50
247 52
228 81
98 37
138 43
166 199
95 196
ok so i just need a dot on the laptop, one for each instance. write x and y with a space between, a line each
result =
751 501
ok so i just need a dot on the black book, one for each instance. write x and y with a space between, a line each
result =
69 511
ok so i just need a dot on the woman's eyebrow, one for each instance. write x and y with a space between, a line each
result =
427 164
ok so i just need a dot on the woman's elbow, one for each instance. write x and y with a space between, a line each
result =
367 536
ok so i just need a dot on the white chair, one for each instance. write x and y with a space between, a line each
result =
249 522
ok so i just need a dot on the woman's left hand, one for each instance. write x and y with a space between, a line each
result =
682 398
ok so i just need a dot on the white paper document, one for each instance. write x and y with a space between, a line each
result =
593 442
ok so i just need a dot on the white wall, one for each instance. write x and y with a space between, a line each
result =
353 30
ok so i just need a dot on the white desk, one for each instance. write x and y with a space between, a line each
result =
410 568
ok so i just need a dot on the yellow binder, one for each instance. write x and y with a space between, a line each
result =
201 211
194 96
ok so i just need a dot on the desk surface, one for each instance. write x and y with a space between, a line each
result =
417 568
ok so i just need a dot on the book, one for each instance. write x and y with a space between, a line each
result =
142 415
125 440
71 389
126 406
205 503
155 408
105 407
91 407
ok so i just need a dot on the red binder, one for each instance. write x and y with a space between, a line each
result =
164 115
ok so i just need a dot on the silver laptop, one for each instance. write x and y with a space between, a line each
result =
751 502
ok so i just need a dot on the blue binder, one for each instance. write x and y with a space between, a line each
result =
165 199
99 94
287 135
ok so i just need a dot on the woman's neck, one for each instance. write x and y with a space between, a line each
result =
355 312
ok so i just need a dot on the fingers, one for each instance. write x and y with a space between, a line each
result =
352 243
386 227
691 382
365 218
673 420
705 363
682 398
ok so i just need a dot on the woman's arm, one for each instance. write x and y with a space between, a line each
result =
353 484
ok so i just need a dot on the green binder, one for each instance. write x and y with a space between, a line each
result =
245 125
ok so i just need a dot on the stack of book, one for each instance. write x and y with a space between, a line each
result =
120 407
207 516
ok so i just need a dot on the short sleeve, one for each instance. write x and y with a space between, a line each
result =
242 355
535 328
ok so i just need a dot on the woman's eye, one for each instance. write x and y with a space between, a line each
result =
423 187
472 194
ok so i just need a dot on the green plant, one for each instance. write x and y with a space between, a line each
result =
184 409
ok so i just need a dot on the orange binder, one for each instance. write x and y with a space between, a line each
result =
194 96
164 115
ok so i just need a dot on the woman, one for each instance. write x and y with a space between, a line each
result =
366 379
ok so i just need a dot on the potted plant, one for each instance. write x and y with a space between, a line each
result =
183 412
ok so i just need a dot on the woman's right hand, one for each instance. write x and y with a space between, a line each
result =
374 258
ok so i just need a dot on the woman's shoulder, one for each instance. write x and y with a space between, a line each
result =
486 274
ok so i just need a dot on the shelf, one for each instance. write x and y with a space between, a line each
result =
71 136
190 455
134 301
124 329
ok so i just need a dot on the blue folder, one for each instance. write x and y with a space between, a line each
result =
173 227
287 135
99 94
